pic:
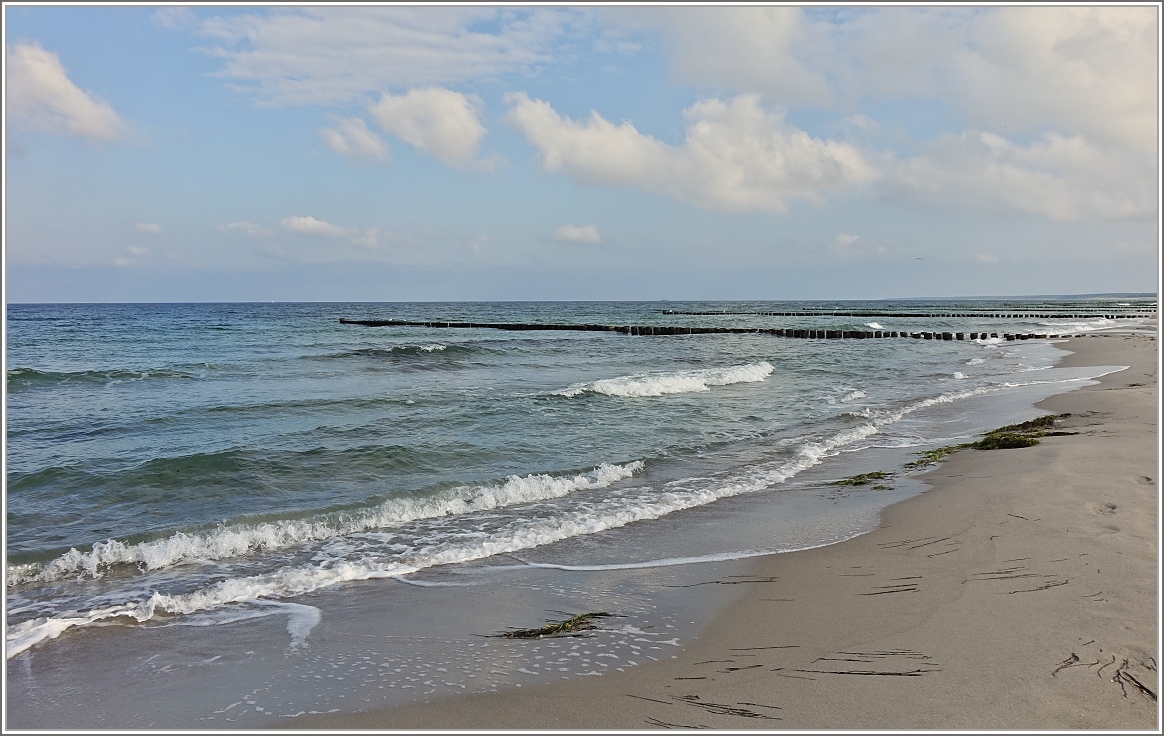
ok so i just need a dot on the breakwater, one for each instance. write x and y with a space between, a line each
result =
931 315
685 330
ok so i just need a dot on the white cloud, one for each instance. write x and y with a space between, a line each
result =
1058 177
577 234
307 225
40 96
245 227
986 257
439 121
844 239
327 56
149 228
137 250
350 137
736 155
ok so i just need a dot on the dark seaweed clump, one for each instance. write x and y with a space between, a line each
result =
863 479
1023 434
572 625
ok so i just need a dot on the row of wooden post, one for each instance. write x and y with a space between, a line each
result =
932 315
683 330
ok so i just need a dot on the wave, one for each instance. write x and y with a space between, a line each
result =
236 540
976 361
31 377
398 352
225 470
660 384
1090 325
853 396
874 326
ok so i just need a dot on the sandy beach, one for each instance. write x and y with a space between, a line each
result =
1020 592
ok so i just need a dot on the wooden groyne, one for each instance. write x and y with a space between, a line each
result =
930 315
682 330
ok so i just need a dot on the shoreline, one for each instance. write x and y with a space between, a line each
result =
1030 604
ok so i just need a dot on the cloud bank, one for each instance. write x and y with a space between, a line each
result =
737 156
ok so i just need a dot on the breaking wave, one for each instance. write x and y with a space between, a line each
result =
678 382
235 540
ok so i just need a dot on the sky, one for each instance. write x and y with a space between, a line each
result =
553 152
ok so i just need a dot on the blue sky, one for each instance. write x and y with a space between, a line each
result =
398 153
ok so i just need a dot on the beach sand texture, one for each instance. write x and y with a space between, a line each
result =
1020 592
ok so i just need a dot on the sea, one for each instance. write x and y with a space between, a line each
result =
234 515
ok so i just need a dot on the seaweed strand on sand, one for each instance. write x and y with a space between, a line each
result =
1011 436
572 625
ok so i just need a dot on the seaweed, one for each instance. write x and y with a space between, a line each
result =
1005 441
937 455
572 625
863 479
1023 434
1035 425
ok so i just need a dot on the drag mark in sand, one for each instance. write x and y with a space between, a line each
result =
664 724
1018 572
737 669
723 709
901 588
1048 586
874 658
752 579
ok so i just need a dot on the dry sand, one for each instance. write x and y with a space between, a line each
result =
1021 592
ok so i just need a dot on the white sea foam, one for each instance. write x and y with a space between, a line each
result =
1090 325
874 326
853 396
660 384
959 375
235 540
301 619
432 348
976 361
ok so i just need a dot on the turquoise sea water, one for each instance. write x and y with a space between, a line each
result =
183 463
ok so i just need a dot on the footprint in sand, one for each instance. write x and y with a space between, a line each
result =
1103 509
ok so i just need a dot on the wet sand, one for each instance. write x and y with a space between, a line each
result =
1020 592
